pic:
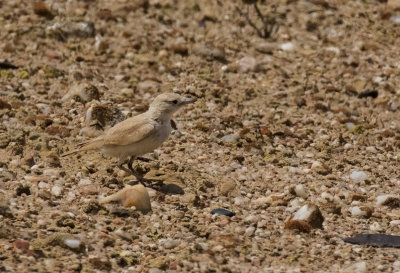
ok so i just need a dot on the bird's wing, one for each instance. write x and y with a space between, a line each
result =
129 131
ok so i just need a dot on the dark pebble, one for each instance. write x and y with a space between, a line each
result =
376 240
223 212
5 65
368 93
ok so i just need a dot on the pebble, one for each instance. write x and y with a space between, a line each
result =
262 202
266 47
223 212
62 30
136 196
239 201
359 267
124 235
300 191
56 190
209 51
395 223
375 227
53 173
307 217
147 86
350 125
251 219
289 46
361 211
371 149
390 200
358 176
72 243
231 138
21 244
249 231
170 243
247 64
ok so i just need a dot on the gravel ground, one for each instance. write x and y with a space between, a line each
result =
279 125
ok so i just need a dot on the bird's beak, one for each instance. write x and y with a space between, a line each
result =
189 100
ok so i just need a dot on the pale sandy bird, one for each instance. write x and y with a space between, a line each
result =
140 134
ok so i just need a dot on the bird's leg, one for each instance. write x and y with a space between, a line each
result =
130 167
144 159
122 167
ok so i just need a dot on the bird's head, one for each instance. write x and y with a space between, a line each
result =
166 104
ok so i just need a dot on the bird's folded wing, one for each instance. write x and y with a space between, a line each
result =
129 132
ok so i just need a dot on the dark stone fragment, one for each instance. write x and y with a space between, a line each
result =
376 240
223 212
368 93
23 189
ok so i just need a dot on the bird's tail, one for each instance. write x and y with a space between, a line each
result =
86 146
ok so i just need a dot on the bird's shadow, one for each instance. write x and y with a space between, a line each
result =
159 185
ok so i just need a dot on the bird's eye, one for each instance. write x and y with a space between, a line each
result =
175 101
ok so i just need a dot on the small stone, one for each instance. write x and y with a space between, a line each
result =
307 217
375 227
40 8
247 64
63 30
170 244
4 105
393 5
262 202
359 267
358 176
56 190
101 45
227 187
53 173
209 52
72 243
62 239
223 212
230 138
299 191
124 234
23 189
58 130
21 244
179 46
266 47
171 189
136 196
4 207
249 231
390 200
357 211
147 86
368 93
289 46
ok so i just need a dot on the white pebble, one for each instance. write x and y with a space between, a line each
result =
56 190
288 46
381 199
249 231
357 211
300 191
72 243
51 172
230 138
371 149
375 227
43 185
358 176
